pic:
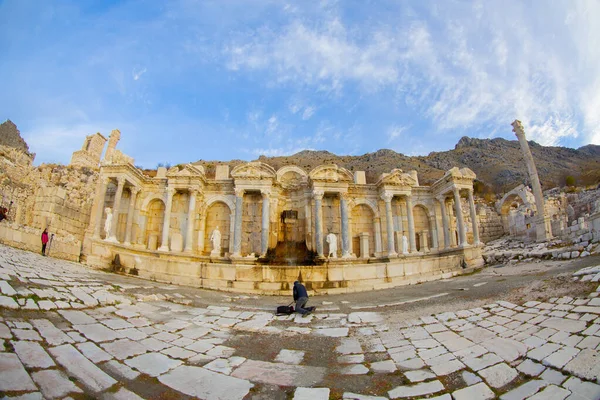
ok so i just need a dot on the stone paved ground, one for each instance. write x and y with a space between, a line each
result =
70 332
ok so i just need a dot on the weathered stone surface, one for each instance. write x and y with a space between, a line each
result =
92 352
124 348
199 382
13 376
507 349
551 393
279 374
419 389
50 333
290 356
32 354
97 332
479 391
121 394
585 365
524 391
55 384
531 368
498 375
565 325
120 370
153 364
81 368
302 393
77 317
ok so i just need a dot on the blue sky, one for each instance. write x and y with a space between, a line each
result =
233 79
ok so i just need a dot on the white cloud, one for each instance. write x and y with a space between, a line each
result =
308 112
138 73
394 132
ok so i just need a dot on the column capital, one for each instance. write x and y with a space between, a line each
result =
266 193
456 191
387 196
171 191
239 192
441 198
134 190
121 180
194 190
518 128
318 194
106 180
344 196
409 198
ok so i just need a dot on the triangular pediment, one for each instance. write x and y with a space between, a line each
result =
253 170
397 178
188 170
331 173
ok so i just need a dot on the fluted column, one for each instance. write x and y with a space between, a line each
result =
445 226
387 198
318 196
411 224
191 218
474 219
462 235
264 237
134 191
116 208
345 225
237 223
201 232
100 197
167 221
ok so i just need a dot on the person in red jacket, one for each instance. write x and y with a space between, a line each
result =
44 241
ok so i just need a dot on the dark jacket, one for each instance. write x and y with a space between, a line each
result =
299 291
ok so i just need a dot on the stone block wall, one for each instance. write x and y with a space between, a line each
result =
27 238
490 223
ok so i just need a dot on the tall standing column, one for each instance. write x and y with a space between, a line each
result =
411 224
167 221
191 218
387 198
237 223
116 209
434 232
543 227
345 225
377 224
462 235
100 197
134 191
318 196
201 232
264 237
474 219
445 226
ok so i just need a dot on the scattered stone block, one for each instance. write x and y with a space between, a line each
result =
498 375
419 389
479 391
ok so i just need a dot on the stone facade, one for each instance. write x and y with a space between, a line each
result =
91 152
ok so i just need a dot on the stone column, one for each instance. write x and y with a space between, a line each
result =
434 232
411 224
424 241
345 225
377 224
543 227
264 237
387 197
116 209
364 244
191 218
318 196
134 191
201 232
462 235
167 221
474 219
445 226
237 223
100 197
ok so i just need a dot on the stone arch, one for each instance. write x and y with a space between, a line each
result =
369 203
219 212
222 198
362 221
520 192
423 229
149 199
155 214
291 177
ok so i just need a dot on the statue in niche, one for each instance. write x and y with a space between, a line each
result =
108 222
215 238
332 241
404 244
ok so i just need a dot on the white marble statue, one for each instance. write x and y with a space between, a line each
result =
215 238
108 222
332 241
404 244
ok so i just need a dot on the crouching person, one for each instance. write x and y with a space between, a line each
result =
301 298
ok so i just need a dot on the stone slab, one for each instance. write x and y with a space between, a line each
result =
13 376
55 384
92 352
524 391
205 384
419 389
153 364
97 332
51 334
302 393
280 374
585 365
567 325
81 368
77 317
479 391
32 354
124 348
551 392
498 375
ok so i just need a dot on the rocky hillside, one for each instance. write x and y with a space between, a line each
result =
498 163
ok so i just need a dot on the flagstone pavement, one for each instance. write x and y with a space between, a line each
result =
68 332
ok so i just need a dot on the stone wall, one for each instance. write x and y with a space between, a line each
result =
490 223
27 238
11 137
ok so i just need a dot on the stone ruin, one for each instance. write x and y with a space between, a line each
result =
273 224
